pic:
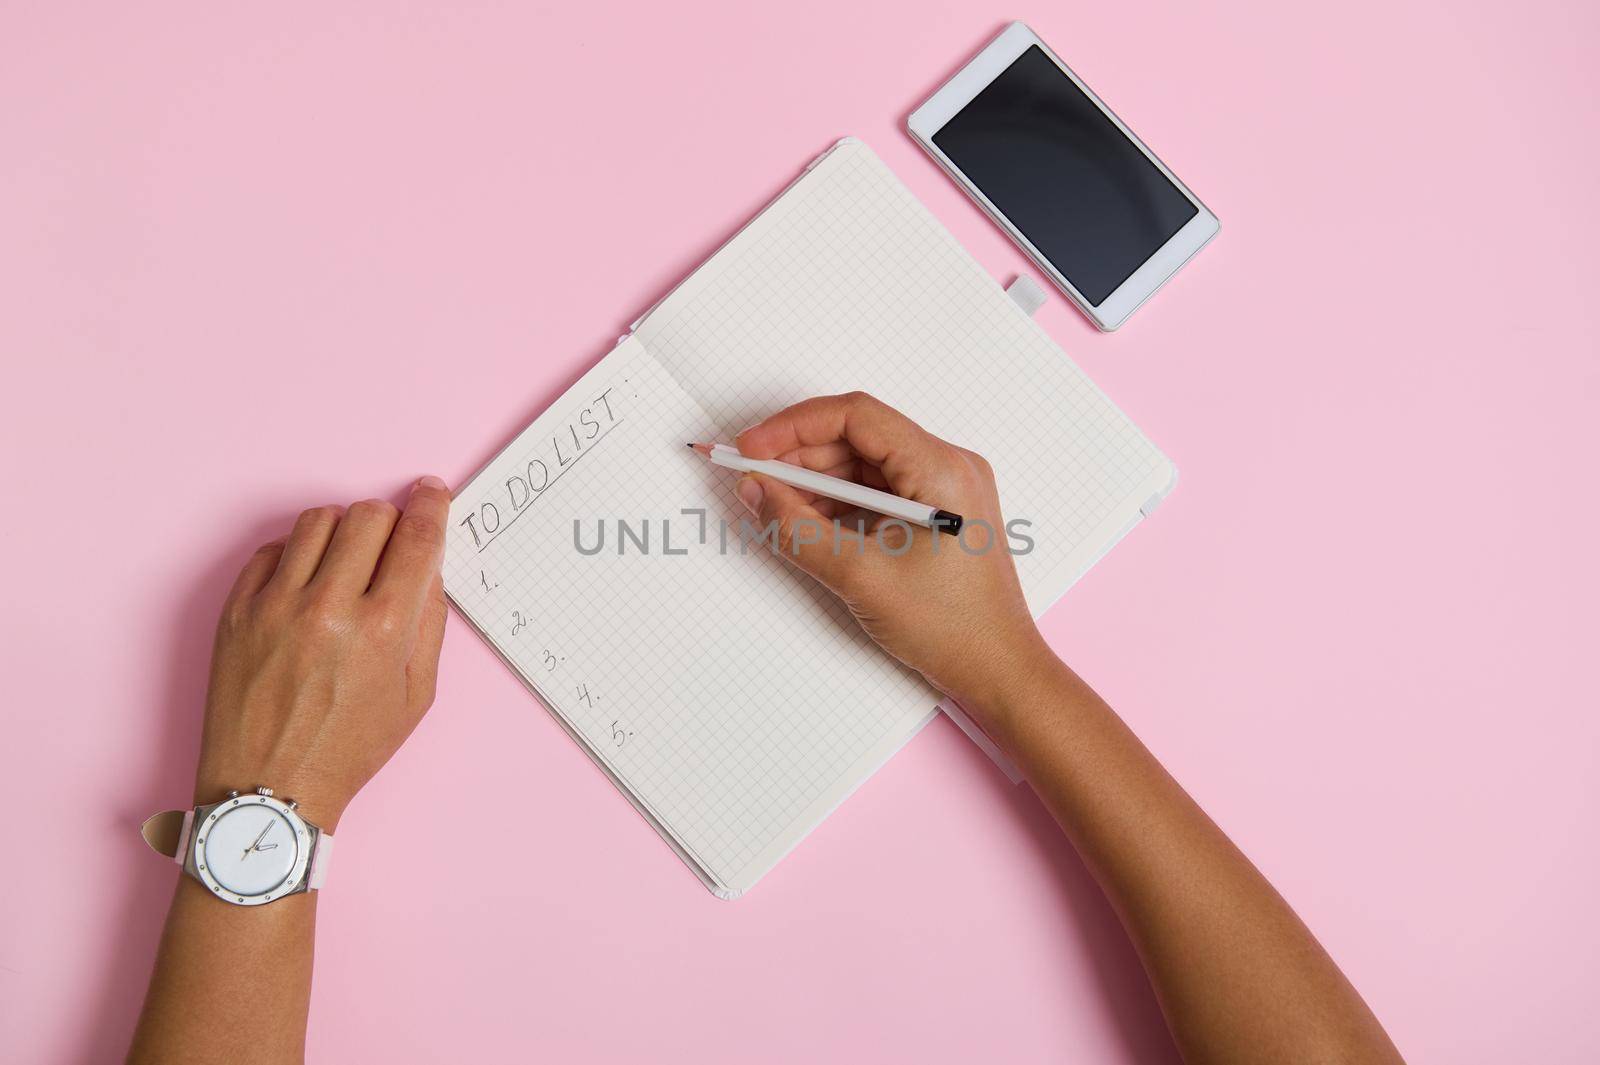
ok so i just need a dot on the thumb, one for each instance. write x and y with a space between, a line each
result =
791 527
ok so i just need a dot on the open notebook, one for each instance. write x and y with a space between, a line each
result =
730 699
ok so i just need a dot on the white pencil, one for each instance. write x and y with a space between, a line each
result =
929 517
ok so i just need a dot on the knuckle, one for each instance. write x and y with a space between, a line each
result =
323 615
798 532
423 527
780 527
269 606
317 516
785 535
387 623
373 511
236 614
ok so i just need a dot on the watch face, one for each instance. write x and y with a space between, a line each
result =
248 849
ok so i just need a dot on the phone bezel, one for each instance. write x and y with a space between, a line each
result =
972 79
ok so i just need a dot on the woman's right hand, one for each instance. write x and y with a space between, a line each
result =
951 610
1239 977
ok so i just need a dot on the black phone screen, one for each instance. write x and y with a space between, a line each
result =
1056 165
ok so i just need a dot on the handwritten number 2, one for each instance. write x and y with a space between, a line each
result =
518 622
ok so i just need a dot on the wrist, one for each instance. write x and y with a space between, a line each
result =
1010 686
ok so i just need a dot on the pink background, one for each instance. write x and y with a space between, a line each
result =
258 257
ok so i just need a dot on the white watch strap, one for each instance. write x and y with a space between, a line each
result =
321 858
168 833
183 837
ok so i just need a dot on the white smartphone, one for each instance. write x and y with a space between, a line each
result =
1071 184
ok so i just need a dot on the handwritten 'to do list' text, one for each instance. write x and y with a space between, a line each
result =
548 464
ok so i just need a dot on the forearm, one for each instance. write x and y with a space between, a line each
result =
231 983
1238 975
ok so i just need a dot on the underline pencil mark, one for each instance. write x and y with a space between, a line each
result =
549 485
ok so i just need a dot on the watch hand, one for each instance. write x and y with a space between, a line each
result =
267 847
257 844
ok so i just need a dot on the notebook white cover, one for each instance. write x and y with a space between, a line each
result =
733 701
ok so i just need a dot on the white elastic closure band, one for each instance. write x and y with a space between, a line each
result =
1026 293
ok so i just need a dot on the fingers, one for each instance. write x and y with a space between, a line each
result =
370 545
873 429
352 554
908 456
852 469
410 563
804 534
824 457
258 571
308 542
828 508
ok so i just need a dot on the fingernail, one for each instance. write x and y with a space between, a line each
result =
429 481
750 494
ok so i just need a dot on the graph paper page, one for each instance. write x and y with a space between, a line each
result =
721 690
847 282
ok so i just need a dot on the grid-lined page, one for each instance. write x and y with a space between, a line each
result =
716 687
847 282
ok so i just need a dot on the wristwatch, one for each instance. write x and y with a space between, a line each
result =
247 849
